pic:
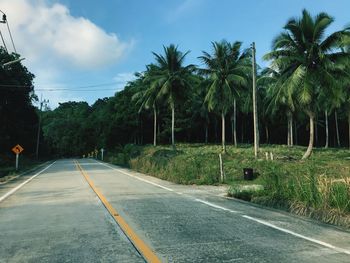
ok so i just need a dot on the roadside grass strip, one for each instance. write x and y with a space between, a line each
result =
138 243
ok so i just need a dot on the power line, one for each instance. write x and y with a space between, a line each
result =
3 41
79 90
8 27
21 89
57 88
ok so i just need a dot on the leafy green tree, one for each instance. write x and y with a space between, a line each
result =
227 70
172 78
309 62
64 129
18 118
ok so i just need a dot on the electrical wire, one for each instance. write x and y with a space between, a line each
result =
3 41
8 27
87 88
58 90
77 87
79 90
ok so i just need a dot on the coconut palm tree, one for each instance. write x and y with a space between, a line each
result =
146 98
346 86
227 69
278 99
198 108
172 79
309 62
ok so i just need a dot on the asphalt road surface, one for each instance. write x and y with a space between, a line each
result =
88 211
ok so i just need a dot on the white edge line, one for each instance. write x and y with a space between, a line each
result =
141 179
2 198
341 250
215 206
21 174
297 235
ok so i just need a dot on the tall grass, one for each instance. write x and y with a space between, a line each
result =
318 187
307 194
183 166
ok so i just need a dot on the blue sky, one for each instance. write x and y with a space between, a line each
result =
70 44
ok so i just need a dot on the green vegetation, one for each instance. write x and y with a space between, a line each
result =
306 84
303 99
310 65
7 167
318 187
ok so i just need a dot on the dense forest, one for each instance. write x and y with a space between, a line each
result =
303 98
18 116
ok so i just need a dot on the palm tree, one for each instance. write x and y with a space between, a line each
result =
346 86
199 108
171 79
309 62
278 99
147 96
227 69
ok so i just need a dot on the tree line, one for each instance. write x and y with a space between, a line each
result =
18 116
303 97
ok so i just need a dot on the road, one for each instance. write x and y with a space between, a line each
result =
68 212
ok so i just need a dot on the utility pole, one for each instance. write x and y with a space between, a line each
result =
255 110
42 102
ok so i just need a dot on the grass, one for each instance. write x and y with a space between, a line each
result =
318 187
7 166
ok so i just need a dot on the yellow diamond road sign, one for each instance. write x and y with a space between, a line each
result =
17 149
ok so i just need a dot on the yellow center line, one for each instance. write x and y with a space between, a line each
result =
139 244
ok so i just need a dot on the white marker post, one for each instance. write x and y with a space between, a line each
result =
17 158
102 150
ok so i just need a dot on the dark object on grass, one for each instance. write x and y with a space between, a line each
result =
248 174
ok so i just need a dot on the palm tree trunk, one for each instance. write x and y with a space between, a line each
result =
336 127
349 127
295 134
206 133
288 133
255 107
316 131
242 130
173 126
235 122
141 133
223 132
291 130
327 128
267 134
155 126
311 139
232 128
216 130
158 129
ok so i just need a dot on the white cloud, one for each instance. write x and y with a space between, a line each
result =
44 32
58 46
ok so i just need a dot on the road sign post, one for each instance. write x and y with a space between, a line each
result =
17 157
102 151
17 150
